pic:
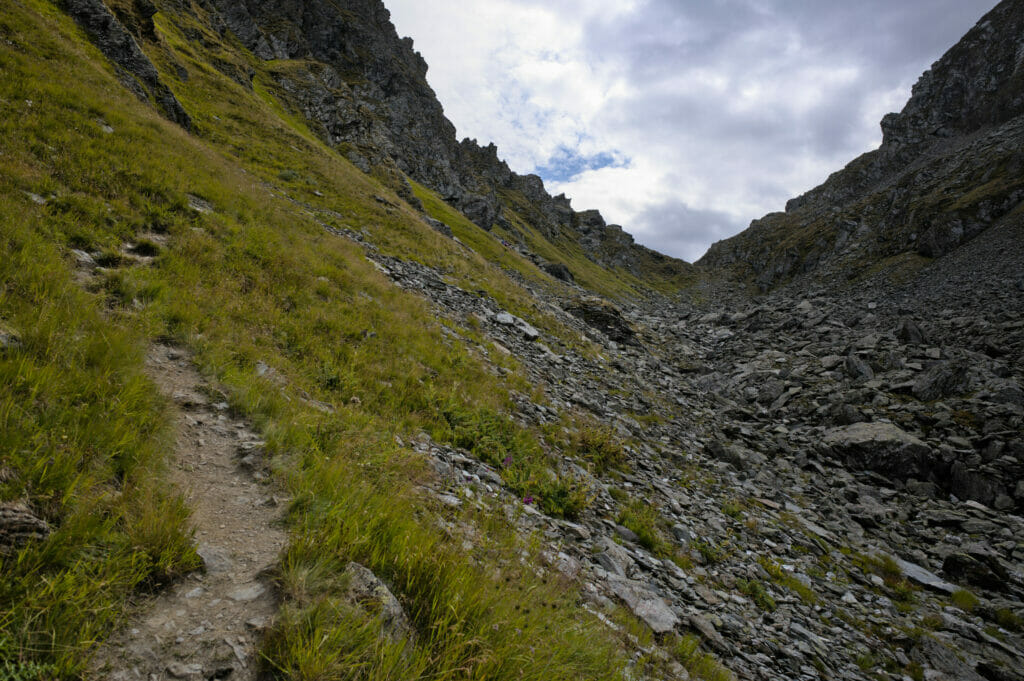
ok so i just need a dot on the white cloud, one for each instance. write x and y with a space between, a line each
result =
723 109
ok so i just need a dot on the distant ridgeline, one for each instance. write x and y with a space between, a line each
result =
951 166
364 91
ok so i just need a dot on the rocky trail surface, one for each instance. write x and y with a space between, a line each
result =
835 474
207 625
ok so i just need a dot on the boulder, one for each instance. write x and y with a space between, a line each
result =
367 591
439 227
858 369
613 557
737 456
645 604
604 317
909 333
925 578
8 340
558 271
942 380
977 566
880 447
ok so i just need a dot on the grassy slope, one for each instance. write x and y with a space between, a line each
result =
257 280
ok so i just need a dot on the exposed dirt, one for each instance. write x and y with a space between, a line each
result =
207 626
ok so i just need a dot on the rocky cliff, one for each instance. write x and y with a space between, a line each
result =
343 66
950 166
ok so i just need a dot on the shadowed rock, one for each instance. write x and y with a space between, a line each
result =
19 526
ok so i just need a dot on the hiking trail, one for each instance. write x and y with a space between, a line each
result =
207 625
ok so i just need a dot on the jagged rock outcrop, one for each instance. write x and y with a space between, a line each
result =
365 91
950 166
119 46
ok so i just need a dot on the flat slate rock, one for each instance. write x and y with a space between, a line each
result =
925 578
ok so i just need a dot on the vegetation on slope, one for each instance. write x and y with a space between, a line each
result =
253 282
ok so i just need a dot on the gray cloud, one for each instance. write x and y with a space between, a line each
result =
725 108
674 227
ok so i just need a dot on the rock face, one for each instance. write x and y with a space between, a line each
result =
112 38
949 168
365 91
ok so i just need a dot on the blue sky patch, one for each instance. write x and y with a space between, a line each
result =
567 163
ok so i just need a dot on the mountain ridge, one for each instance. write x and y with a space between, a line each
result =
958 135
363 66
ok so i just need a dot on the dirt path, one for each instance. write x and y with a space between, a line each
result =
206 626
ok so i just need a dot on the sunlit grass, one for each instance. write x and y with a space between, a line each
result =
280 313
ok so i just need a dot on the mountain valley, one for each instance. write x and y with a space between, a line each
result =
497 437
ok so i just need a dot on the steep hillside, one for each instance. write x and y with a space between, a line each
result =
950 167
364 92
240 242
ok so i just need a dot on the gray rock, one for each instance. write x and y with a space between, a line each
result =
247 593
179 670
704 627
656 613
880 447
919 575
738 456
367 591
627 534
438 226
942 380
646 605
505 319
558 271
858 369
215 559
977 567
932 653
682 534
18 526
8 340
908 332
604 317
613 557
529 333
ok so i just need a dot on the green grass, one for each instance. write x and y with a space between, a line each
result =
597 446
964 600
701 665
1009 620
903 592
734 508
645 521
790 581
525 468
757 593
257 281
84 436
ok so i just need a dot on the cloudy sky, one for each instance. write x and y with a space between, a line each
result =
681 120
